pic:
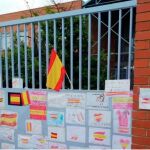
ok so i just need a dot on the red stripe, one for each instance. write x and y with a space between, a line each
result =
52 59
29 102
15 103
14 95
61 79
37 107
38 117
22 99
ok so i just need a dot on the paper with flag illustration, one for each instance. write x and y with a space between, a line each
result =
25 98
122 121
56 72
100 136
76 134
100 118
2 99
7 146
14 99
33 126
58 146
121 142
144 98
25 141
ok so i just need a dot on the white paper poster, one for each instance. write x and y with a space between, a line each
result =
76 134
24 141
117 85
7 146
34 126
97 101
7 134
56 134
75 99
99 118
75 116
56 100
17 83
121 142
2 99
59 146
122 121
144 98
55 118
100 136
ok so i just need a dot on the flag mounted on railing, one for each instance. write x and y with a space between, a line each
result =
56 72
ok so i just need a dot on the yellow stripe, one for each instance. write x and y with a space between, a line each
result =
54 73
15 99
25 98
37 112
8 119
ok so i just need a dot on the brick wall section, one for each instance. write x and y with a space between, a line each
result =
141 118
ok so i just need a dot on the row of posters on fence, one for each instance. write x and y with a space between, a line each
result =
67 119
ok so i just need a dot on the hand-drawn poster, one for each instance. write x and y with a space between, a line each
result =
56 100
117 85
144 98
7 134
58 146
121 142
75 116
76 134
99 118
56 134
100 136
14 99
33 126
2 99
8 119
39 142
97 101
7 146
24 141
75 99
55 118
122 121
17 83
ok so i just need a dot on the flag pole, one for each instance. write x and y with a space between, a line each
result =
69 81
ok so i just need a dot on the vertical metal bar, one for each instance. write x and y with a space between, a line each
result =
47 47
12 50
119 44
71 49
109 45
32 41
6 57
55 40
18 45
63 46
25 49
89 51
80 52
98 51
130 42
1 83
40 65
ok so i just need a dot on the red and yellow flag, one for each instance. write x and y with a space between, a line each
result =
25 98
56 72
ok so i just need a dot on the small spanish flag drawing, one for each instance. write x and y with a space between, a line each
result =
25 98
54 135
56 72
29 127
99 136
14 99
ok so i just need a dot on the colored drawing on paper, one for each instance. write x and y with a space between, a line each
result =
56 134
14 99
55 118
2 99
75 99
121 142
122 121
122 103
99 136
39 142
7 134
7 146
34 126
144 98
38 112
56 100
25 98
17 83
99 118
59 146
97 100
24 141
117 85
76 134
8 119
75 116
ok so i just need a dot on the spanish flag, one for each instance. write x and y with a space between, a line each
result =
25 98
56 72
